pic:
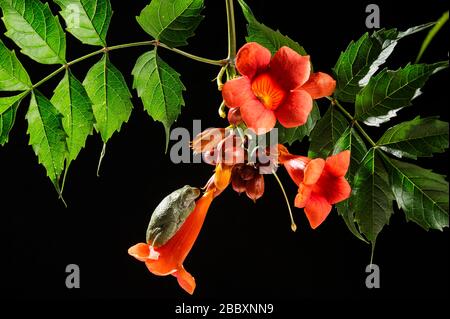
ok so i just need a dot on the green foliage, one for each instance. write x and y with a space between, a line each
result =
359 62
87 20
71 100
7 102
58 128
326 133
110 97
171 21
291 135
13 76
389 91
420 193
32 26
351 141
47 136
7 122
418 137
262 34
372 197
160 88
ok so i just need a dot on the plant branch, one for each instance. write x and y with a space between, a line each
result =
353 120
231 38
192 56
128 45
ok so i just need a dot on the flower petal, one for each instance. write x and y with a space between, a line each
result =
303 195
140 251
237 91
255 187
295 168
317 210
207 140
338 191
257 117
295 109
252 58
313 171
337 165
222 176
234 116
185 280
238 184
161 267
320 85
289 68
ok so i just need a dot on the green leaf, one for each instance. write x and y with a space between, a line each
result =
13 76
359 62
372 196
418 137
7 102
71 100
110 97
389 91
420 193
47 136
351 141
326 133
35 30
431 34
291 135
267 37
7 122
87 20
171 21
160 88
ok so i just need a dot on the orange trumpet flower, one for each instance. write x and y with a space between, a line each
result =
168 259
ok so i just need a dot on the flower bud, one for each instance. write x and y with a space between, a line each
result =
234 116
255 187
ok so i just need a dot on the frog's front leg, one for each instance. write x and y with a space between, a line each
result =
158 236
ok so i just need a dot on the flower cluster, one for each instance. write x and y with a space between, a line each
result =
280 88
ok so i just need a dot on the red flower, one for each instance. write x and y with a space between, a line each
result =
270 88
168 259
321 182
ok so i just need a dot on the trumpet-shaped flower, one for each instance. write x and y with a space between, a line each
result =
274 88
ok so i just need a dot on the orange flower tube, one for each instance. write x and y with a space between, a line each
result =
168 259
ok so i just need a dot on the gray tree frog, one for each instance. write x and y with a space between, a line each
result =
170 214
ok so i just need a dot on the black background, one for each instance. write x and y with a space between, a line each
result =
245 251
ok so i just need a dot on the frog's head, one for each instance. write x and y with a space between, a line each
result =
189 194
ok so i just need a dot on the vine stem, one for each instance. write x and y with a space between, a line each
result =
129 45
353 120
232 48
